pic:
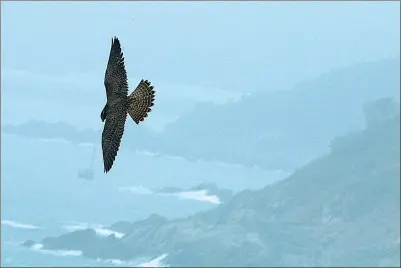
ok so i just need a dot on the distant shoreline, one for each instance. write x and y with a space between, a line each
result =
149 153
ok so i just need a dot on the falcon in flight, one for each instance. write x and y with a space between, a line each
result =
119 103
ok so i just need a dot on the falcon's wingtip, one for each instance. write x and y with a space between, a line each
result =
115 40
106 170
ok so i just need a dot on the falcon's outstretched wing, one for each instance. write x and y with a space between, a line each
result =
116 84
113 132
115 78
140 101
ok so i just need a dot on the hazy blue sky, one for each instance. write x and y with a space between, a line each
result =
204 43
190 51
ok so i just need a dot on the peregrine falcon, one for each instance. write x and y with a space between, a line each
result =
119 103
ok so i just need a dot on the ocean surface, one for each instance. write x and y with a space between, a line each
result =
42 195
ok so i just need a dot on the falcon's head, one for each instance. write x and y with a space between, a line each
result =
103 115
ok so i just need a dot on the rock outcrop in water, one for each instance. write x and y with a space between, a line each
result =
343 209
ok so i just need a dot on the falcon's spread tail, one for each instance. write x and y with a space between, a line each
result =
140 101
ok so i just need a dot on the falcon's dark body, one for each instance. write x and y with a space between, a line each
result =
118 104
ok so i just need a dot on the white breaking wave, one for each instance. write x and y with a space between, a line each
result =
108 232
199 195
99 229
117 262
15 224
62 253
156 262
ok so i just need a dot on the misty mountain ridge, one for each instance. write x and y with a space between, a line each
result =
275 130
341 208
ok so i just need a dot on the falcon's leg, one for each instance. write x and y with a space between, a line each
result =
104 112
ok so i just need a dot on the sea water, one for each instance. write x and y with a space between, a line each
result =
41 194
